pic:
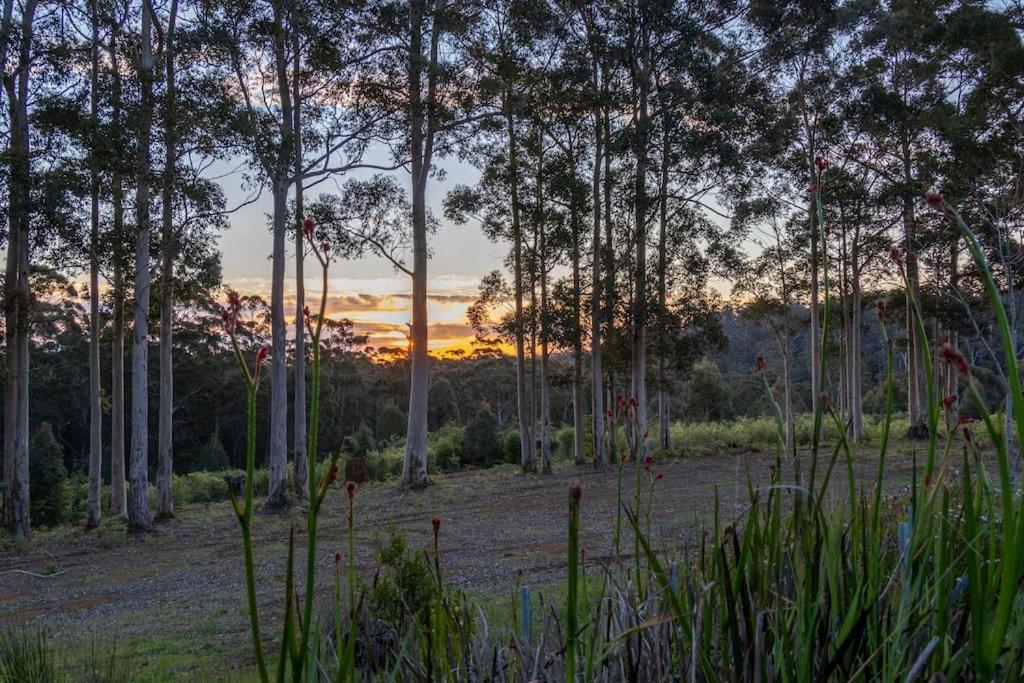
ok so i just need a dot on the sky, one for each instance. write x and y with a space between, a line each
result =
369 291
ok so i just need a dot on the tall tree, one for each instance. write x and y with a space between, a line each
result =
95 405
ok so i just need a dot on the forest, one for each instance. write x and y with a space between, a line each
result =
770 245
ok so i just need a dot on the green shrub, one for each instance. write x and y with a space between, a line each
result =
564 438
211 457
482 446
386 463
47 475
404 587
391 422
201 487
511 445
445 448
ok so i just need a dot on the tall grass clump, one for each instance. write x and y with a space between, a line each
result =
27 656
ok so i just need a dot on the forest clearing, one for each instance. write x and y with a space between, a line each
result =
169 599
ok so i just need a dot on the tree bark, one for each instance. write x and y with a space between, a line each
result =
596 385
300 456
641 74
165 447
17 293
277 496
577 335
118 492
93 511
663 395
526 461
542 262
138 498
422 121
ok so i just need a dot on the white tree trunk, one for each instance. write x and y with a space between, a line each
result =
277 496
93 512
138 498
118 492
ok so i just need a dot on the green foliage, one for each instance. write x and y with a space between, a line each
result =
211 457
47 475
481 445
27 656
391 422
446 448
705 396
404 587
202 487
386 463
564 438
510 445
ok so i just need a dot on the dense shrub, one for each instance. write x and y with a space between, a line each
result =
481 446
511 445
211 457
403 588
47 475
706 396
385 463
201 487
26 654
564 438
445 448
391 422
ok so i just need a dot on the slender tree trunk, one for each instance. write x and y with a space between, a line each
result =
422 128
301 458
165 450
138 498
663 395
816 380
118 490
641 76
609 256
277 497
526 461
17 293
856 374
915 404
93 514
596 384
578 438
542 263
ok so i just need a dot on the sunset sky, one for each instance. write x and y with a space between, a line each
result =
369 291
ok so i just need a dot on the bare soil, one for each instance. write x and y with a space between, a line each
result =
174 598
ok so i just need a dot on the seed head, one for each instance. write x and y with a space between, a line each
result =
648 463
953 356
436 523
350 489
935 200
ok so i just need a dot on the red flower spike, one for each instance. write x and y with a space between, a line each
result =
896 255
575 492
333 474
935 200
308 224
927 481
350 489
337 558
948 401
648 463
815 187
659 476
880 308
326 247
964 420
953 356
436 523
821 163
967 434
759 363
234 299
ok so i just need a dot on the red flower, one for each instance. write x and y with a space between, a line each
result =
927 481
964 420
307 226
967 434
953 356
575 492
436 523
261 357
326 247
333 474
821 163
234 300
660 476
880 308
935 200
896 255
648 463
610 414
759 363
815 187
948 401
350 488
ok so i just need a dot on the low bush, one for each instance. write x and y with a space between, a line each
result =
445 448
47 475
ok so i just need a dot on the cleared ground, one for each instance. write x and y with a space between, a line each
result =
174 599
